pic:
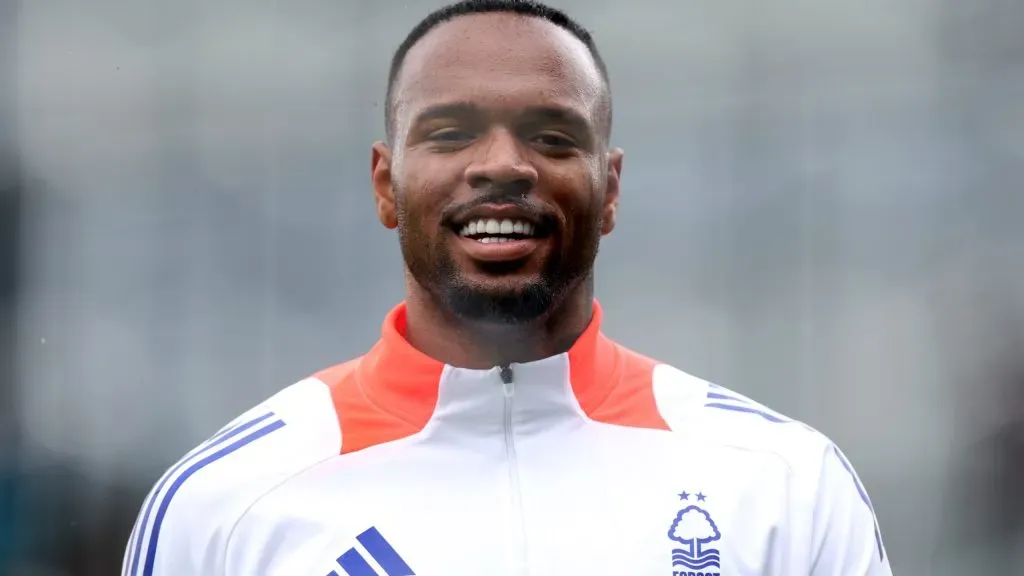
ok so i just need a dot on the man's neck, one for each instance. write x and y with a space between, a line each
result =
440 335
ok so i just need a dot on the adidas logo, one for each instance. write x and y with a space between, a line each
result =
381 554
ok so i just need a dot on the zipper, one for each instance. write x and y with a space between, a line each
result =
518 528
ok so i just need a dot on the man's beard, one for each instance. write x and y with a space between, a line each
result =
433 268
513 306
431 264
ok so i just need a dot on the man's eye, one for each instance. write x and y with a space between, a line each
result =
554 140
449 135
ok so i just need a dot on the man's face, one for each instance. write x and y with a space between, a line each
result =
499 179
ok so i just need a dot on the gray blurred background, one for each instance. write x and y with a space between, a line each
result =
822 209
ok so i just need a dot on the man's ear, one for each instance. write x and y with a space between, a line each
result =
611 194
383 187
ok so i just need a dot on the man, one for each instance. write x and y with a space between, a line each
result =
494 429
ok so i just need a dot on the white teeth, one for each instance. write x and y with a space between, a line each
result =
494 227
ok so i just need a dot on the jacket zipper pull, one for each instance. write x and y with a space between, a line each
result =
506 379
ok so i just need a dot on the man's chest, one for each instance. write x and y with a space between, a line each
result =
546 515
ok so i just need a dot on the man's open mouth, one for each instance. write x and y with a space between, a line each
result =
489 230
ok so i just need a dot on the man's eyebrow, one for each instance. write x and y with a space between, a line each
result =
533 113
451 110
558 114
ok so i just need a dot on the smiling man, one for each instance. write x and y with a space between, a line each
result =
494 429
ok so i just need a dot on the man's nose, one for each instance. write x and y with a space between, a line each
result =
501 160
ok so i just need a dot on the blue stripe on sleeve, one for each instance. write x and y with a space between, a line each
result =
749 410
864 497
194 463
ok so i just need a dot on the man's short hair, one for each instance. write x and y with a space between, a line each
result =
468 7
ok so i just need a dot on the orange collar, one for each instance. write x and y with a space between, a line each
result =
392 391
403 381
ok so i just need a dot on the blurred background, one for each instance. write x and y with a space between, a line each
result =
822 209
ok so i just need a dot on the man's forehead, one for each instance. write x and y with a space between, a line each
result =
500 56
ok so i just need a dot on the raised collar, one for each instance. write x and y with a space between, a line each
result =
404 382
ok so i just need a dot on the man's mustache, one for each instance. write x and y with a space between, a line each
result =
499 195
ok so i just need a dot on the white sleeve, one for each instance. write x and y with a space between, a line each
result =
847 540
187 521
180 530
173 540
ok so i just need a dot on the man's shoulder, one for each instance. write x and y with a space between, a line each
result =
295 425
299 422
715 416
209 489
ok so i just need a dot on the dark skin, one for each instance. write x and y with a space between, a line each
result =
498 110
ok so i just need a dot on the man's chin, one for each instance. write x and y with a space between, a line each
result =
500 282
500 301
